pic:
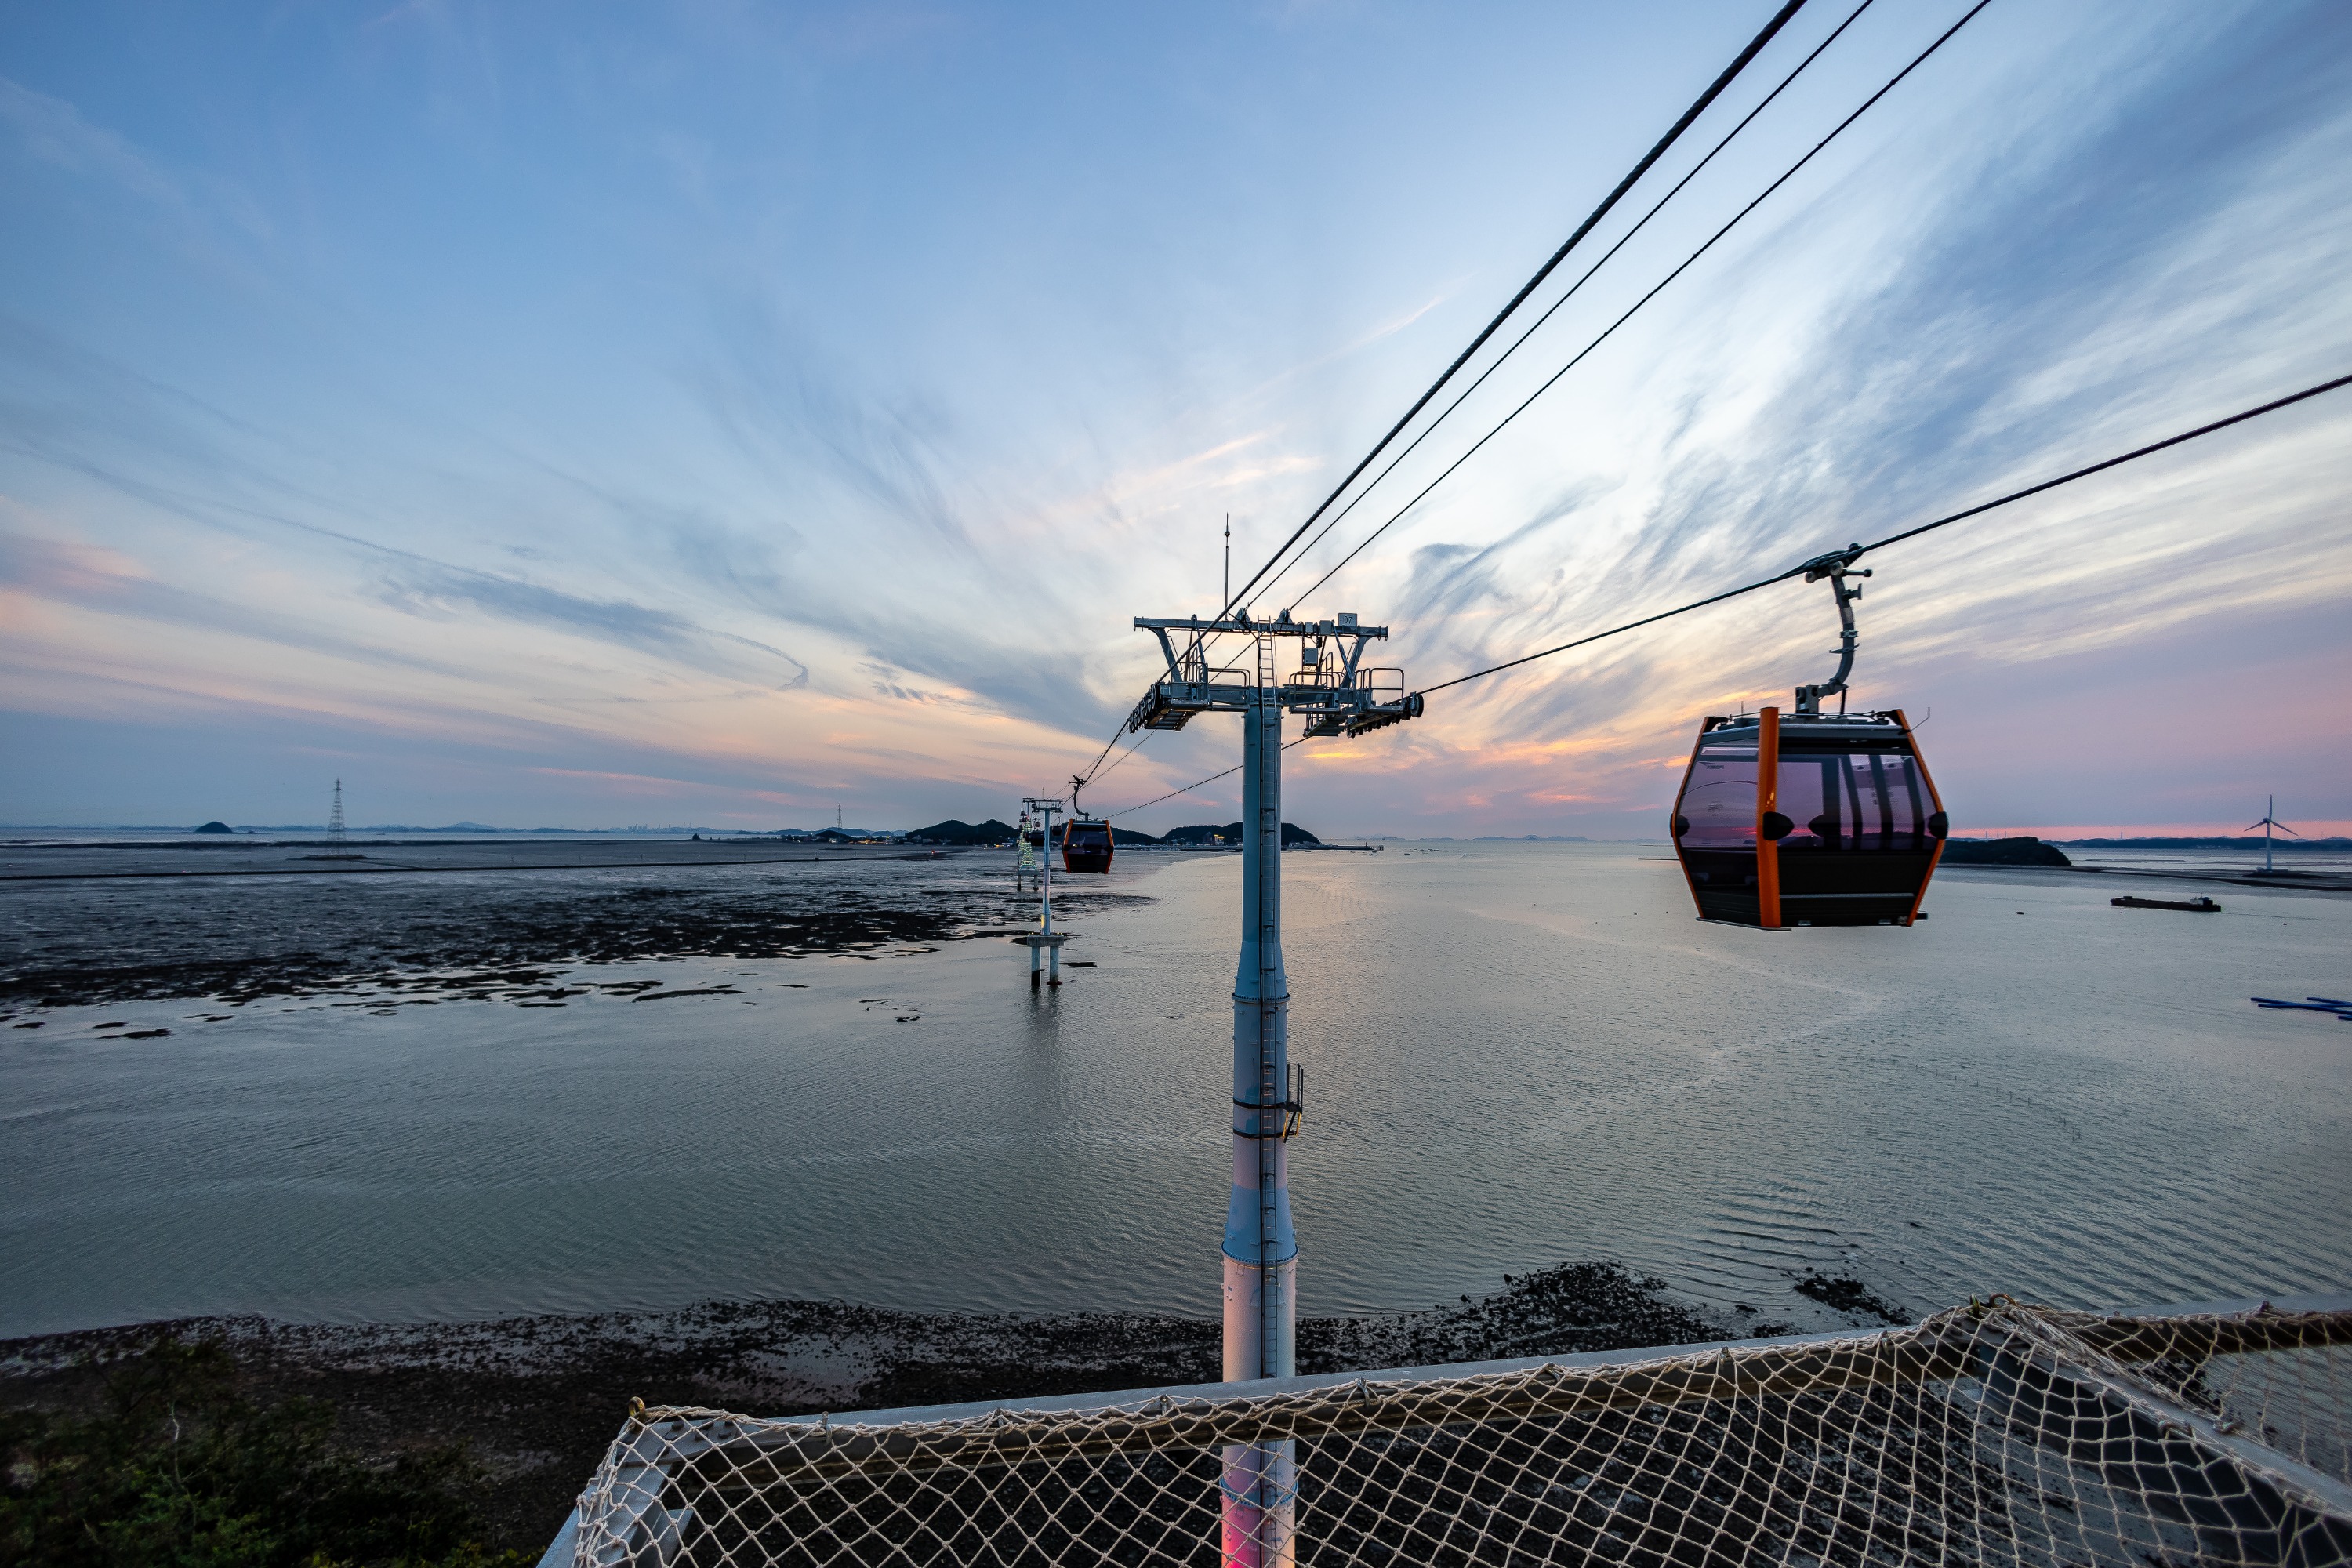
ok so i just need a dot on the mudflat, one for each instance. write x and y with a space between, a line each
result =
87 933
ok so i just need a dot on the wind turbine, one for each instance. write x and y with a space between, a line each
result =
2266 824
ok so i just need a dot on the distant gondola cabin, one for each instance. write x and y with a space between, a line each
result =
1086 846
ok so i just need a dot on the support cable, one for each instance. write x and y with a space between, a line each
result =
1196 784
1696 169
1100 773
1730 72
1780 19
2067 479
1115 734
1687 263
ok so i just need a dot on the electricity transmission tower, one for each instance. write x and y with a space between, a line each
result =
335 834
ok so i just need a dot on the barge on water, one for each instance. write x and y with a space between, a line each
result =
2199 905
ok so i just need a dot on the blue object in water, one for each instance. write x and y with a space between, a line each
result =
2343 1010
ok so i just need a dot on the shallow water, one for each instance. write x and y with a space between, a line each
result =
1516 1055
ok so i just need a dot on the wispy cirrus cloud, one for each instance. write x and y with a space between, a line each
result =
808 418
54 131
436 591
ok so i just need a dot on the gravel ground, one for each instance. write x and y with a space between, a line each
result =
539 1398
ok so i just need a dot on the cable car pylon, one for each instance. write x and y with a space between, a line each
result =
1044 942
1337 694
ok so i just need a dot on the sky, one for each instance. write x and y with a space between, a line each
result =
720 414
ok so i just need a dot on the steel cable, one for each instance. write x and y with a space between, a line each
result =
1196 784
1715 89
1689 261
1622 240
2013 495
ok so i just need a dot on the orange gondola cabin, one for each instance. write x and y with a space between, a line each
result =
1086 845
1815 819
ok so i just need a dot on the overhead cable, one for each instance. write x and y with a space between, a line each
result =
1730 73
1780 19
1622 240
2014 496
1687 263
1196 784
1626 185
1172 793
1101 773
1089 775
2067 479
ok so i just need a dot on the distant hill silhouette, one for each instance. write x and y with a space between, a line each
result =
215 828
989 833
2281 845
2026 850
1230 832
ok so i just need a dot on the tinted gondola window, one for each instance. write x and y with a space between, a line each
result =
1719 804
1813 796
1852 801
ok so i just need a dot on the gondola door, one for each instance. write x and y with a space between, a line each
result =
1716 819
1771 825
1939 824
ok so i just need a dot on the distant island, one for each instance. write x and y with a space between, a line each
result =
988 835
2239 841
993 833
2022 850
1230 832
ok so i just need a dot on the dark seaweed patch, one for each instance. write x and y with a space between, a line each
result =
242 941
1851 1297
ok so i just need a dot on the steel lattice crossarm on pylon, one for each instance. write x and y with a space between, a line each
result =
1332 689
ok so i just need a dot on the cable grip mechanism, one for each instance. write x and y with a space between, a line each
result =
1834 567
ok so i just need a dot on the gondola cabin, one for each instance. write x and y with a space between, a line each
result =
1086 846
1821 819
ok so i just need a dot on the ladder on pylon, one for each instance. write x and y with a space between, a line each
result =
1269 937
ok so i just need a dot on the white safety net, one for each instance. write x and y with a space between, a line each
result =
1996 1433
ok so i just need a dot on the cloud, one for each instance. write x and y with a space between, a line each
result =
859 460
66 568
2048 315
434 590
54 131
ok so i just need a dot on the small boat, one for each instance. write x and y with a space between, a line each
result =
2198 906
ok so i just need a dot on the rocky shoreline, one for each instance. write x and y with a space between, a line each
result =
538 1398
